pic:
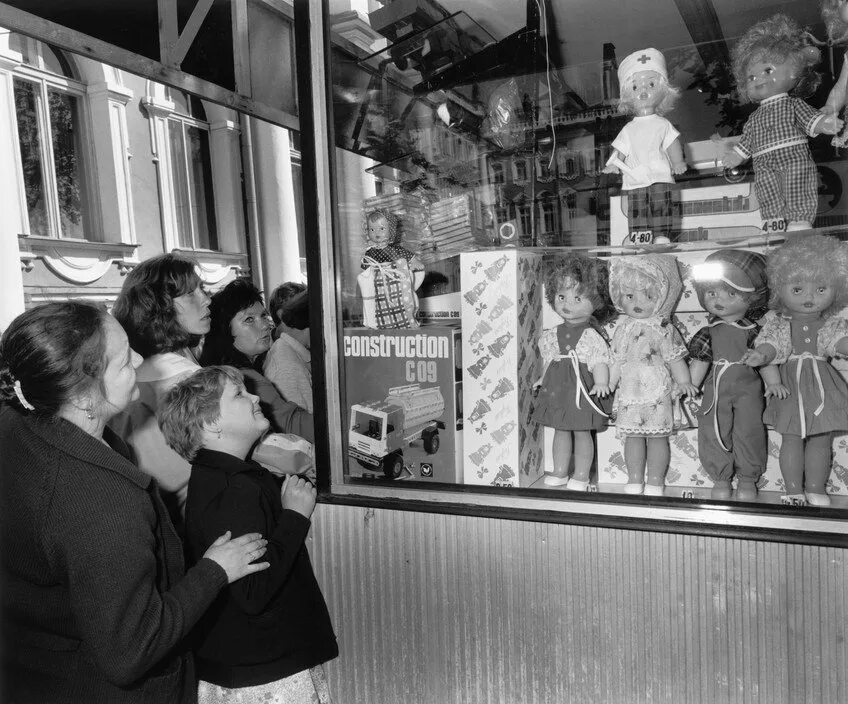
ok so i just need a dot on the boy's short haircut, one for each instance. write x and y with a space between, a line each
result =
295 311
281 295
191 403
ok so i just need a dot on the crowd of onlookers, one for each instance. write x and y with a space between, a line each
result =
155 497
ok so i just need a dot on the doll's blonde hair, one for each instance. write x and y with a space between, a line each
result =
632 279
816 258
672 93
837 28
777 38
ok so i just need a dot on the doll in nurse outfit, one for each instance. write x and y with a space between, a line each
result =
835 16
772 63
647 151
808 278
394 272
732 287
573 390
648 365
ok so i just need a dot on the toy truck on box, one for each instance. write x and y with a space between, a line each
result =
380 431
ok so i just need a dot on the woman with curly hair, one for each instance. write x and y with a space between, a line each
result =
808 279
773 66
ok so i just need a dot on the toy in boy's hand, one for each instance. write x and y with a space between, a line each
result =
572 391
647 151
772 63
731 286
647 355
835 16
391 275
808 278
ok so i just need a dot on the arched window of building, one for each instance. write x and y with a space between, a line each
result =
50 118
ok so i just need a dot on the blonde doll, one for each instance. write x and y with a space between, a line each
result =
647 151
835 16
809 399
574 384
648 365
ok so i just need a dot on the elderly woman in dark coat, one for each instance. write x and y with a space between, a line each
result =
95 601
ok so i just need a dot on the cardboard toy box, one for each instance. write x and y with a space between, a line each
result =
501 322
404 406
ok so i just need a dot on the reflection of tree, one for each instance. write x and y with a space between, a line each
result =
65 156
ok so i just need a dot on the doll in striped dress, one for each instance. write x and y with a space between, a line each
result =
573 390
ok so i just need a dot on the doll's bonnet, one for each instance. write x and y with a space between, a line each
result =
660 268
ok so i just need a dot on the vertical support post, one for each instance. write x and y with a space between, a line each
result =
241 48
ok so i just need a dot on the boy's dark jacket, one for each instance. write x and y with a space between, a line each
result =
270 624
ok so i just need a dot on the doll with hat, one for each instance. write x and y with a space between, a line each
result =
731 286
573 389
391 275
808 279
648 365
773 66
647 151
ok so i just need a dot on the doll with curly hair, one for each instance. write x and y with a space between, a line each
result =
573 389
649 360
835 16
808 279
647 151
772 64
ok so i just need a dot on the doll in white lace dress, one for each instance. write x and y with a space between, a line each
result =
648 365
808 398
573 390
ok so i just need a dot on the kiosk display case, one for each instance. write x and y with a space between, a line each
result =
475 155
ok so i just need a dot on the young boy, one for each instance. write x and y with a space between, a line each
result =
268 634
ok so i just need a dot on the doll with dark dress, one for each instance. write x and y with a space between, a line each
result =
731 286
573 390
772 64
391 275
808 279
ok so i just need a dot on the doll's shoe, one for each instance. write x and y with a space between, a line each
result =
721 490
577 484
817 499
634 488
554 480
746 490
654 489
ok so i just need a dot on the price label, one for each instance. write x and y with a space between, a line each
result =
640 237
688 494
772 226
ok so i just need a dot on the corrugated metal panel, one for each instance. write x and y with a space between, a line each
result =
436 609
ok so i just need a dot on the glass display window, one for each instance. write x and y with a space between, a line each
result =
572 251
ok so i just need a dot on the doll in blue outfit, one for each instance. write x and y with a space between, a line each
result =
808 279
573 389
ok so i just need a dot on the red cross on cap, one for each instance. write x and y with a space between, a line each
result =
644 59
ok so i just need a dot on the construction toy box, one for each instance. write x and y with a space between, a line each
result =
404 404
501 322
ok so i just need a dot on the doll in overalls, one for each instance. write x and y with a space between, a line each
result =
808 279
731 286
649 360
647 152
573 389
772 63
391 275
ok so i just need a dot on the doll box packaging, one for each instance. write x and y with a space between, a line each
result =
404 412
501 322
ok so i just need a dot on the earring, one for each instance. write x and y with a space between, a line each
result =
89 411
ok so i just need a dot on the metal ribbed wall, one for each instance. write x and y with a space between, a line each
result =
436 609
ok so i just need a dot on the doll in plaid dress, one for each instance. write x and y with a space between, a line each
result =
773 63
808 279
391 275
573 390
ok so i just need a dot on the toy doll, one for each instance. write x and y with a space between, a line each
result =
391 275
772 63
647 151
731 286
835 16
648 365
809 399
575 372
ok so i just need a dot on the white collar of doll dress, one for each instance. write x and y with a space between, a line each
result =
655 321
774 98
743 323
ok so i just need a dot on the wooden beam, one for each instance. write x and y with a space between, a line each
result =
168 31
701 20
33 26
192 27
241 47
